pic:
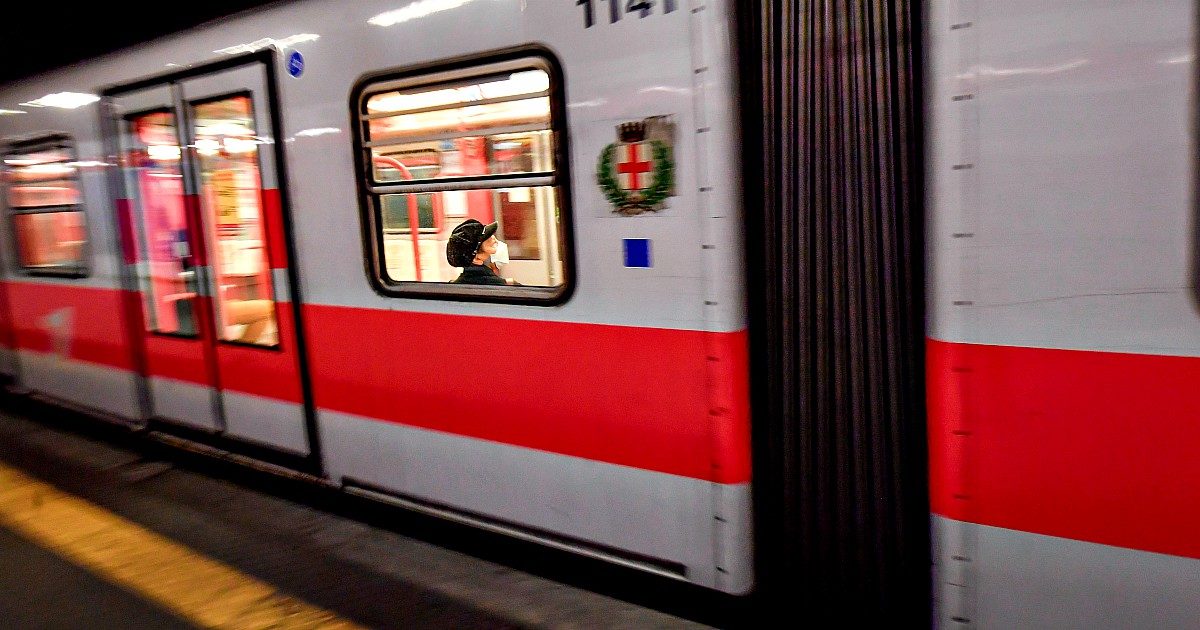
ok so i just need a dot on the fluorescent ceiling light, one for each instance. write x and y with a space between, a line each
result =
49 169
208 146
11 112
224 128
527 82
163 152
64 100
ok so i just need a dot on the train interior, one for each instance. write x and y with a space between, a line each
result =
491 126
226 150
43 193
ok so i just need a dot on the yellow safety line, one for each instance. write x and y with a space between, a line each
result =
204 591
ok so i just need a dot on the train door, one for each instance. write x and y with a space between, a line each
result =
201 207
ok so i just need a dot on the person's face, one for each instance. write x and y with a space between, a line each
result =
489 246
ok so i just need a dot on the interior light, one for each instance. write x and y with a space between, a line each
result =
226 128
64 100
10 112
49 169
239 145
163 151
208 146
527 82
404 102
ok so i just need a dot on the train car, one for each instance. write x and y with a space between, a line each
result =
1063 322
239 237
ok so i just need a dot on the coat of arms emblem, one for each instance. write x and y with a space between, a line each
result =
637 173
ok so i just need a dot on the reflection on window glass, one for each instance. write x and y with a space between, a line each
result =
44 197
50 239
150 162
497 132
231 201
399 212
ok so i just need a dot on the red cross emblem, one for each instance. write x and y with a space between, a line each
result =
634 165
636 173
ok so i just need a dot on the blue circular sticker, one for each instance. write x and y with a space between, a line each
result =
296 64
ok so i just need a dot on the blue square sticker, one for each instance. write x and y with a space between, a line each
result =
637 252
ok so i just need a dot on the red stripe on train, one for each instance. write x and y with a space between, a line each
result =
673 401
83 322
633 396
272 208
1095 446
272 373
90 319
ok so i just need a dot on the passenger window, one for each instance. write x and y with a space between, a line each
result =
167 274
42 181
231 199
463 180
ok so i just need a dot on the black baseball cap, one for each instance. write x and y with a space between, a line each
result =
465 241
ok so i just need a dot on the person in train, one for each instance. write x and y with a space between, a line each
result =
498 259
470 245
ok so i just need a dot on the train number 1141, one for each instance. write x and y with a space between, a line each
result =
618 7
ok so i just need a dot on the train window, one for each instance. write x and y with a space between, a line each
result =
167 274
231 199
452 147
44 199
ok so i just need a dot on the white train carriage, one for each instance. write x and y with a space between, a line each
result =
238 235
1063 329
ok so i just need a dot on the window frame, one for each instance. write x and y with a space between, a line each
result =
433 75
47 142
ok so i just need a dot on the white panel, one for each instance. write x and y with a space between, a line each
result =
183 402
1079 202
1024 580
157 97
734 538
655 514
269 422
107 389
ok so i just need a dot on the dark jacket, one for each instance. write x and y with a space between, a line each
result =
478 274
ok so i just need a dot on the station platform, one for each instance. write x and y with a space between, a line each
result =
102 528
